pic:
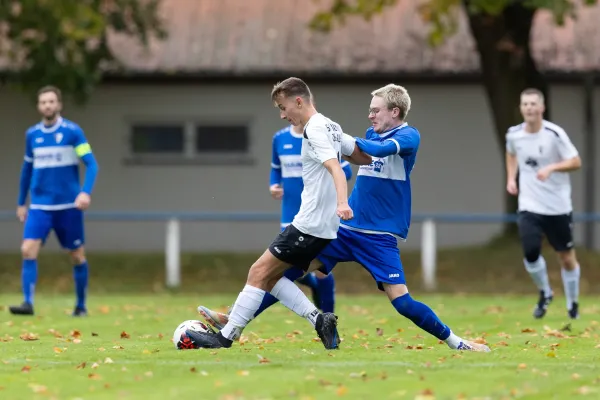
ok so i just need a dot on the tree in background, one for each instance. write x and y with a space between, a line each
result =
64 42
501 30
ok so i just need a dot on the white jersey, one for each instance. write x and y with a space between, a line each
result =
535 151
323 140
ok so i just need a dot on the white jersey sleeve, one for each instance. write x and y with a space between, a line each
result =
348 144
510 148
566 149
321 148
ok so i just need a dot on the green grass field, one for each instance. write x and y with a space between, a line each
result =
123 351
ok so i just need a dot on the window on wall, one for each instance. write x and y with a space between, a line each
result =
189 143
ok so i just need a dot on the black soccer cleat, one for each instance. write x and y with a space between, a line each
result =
202 340
326 327
23 309
80 312
574 311
542 305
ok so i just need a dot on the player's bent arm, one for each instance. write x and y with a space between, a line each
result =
378 149
339 179
511 167
352 154
570 164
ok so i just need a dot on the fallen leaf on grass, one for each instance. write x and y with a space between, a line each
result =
75 334
149 374
29 337
124 335
81 366
341 390
193 369
118 347
263 360
94 376
502 344
575 376
104 309
551 354
160 335
527 330
243 373
26 369
6 338
522 366
76 341
108 360
426 394
95 365
58 350
55 333
583 390
94 334
379 332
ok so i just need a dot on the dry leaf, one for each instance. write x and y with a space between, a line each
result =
26 369
76 341
527 330
263 360
75 333
379 332
95 365
108 360
37 388
243 373
160 335
94 334
55 333
94 376
575 376
341 390
522 366
29 337
104 309
118 347
124 335
81 366
193 369
149 374
502 344
551 354
583 390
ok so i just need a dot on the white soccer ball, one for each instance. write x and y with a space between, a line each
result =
180 339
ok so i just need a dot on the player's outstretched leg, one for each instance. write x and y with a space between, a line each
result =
30 250
266 269
424 317
219 320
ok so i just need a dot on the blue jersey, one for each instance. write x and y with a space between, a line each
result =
286 170
381 198
52 156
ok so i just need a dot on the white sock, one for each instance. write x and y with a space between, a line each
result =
290 295
243 311
538 272
571 284
453 341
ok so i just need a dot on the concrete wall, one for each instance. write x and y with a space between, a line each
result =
459 168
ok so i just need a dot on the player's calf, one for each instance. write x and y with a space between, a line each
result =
81 278
570 273
30 249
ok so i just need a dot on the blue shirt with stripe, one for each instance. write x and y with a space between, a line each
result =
381 198
52 155
286 170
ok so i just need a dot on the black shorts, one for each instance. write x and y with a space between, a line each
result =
296 248
557 228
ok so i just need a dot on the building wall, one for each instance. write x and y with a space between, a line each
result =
459 169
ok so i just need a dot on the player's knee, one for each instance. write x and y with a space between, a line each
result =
567 259
532 252
30 249
78 256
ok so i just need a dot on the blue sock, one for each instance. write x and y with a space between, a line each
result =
292 274
80 275
326 288
309 280
421 315
29 279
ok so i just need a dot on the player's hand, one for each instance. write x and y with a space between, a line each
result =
511 187
22 213
544 173
344 211
83 201
276 191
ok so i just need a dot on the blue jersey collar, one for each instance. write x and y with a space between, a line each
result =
50 129
390 132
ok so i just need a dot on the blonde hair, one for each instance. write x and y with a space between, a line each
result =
395 96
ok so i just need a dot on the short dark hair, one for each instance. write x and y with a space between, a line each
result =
533 91
50 89
291 87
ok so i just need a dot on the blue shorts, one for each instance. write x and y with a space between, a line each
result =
377 253
67 225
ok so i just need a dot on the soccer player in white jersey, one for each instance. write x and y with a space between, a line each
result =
50 174
543 155
324 202
382 200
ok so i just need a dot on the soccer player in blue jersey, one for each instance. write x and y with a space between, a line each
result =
381 200
50 174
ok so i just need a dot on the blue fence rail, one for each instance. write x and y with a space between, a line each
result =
249 216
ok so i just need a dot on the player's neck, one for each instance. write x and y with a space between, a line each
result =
533 127
298 129
50 122
310 111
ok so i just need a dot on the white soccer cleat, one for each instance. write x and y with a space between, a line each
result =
467 345
214 318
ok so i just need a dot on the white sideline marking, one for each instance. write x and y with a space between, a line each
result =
325 364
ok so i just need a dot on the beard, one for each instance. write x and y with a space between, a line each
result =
50 116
